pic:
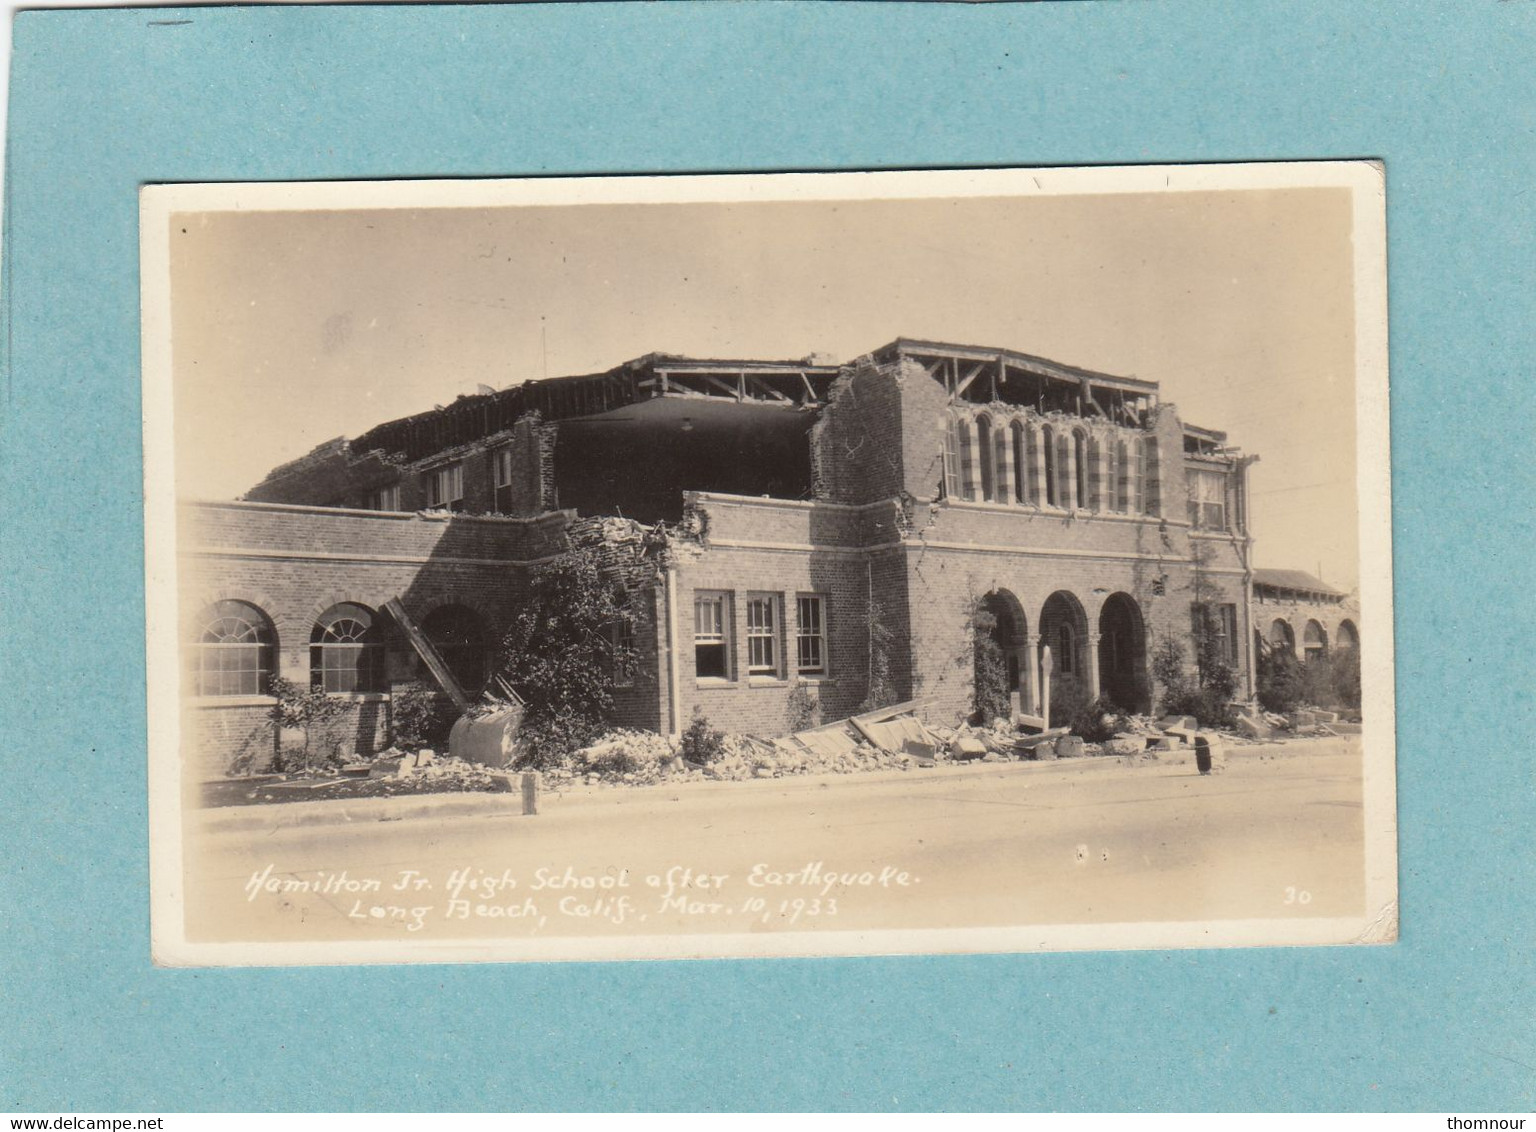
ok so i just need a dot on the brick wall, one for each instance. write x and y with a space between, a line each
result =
805 563
294 563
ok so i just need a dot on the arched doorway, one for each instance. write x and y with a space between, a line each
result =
1315 641
1123 654
1064 631
998 659
1349 636
457 635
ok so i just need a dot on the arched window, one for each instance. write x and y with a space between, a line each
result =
949 487
1021 467
457 635
1048 440
1138 471
233 652
1079 470
1349 636
988 454
967 459
346 650
1065 494
1121 477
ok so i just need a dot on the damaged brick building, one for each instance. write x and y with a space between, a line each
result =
771 513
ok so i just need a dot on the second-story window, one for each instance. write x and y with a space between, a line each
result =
501 475
385 499
987 454
1207 499
445 488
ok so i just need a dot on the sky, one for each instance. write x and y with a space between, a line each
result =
293 327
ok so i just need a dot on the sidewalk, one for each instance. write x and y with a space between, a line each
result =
442 806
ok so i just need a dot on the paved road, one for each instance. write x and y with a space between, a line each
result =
1276 835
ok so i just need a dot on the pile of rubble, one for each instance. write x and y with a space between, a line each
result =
1267 726
895 738
427 766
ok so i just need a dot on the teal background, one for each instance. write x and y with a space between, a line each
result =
102 101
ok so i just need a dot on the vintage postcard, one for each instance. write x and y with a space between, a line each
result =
746 566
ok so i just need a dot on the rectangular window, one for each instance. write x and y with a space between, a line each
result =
1227 618
762 635
384 499
810 636
445 488
711 647
951 483
1220 621
1207 499
501 476
623 637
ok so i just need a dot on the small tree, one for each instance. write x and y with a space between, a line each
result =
1168 665
1346 677
418 718
701 743
1281 683
313 712
561 657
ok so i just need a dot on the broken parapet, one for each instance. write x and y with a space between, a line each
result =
627 551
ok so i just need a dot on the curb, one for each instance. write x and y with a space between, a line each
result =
288 815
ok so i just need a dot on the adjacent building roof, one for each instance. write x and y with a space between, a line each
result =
1298 580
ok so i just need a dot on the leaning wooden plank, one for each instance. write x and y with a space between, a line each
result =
869 733
435 664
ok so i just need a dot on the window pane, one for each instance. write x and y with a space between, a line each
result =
710 660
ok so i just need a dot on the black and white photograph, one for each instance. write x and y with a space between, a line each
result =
748 566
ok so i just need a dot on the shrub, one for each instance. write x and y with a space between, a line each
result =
701 743
1098 720
1346 677
1168 664
1281 685
419 718
559 655
1207 705
989 698
801 708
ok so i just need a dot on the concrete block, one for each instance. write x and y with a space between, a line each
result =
1246 725
968 747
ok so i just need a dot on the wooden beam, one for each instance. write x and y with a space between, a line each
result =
762 386
424 649
965 383
810 390
733 391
